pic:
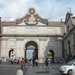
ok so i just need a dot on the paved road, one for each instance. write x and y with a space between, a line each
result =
8 69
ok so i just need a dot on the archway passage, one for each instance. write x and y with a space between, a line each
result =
34 48
10 52
51 55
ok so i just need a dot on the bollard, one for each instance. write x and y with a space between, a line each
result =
19 72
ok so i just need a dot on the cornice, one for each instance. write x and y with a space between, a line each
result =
17 35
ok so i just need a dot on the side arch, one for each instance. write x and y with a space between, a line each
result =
50 55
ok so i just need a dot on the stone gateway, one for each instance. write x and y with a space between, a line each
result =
45 36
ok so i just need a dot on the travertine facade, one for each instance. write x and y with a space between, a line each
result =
32 30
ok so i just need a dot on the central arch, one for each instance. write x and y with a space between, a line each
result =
35 52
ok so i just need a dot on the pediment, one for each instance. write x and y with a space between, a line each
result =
35 23
32 19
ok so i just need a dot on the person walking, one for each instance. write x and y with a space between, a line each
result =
46 63
22 64
26 63
49 61
33 61
36 62
0 60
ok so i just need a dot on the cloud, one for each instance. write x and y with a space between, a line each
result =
53 10
13 9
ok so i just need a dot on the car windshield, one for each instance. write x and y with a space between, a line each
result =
71 62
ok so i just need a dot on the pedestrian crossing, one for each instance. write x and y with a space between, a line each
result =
43 66
52 66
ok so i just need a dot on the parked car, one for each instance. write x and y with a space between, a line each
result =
68 68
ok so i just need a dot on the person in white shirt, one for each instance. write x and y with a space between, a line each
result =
36 62
49 61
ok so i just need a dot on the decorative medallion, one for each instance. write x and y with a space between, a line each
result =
32 11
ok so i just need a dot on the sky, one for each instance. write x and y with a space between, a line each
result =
29 51
53 10
29 54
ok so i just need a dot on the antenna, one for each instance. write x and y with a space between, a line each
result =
70 10
67 9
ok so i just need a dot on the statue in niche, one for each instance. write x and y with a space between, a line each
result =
49 54
12 55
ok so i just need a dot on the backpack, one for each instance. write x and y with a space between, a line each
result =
46 61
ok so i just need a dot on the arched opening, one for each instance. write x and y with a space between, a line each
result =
31 51
11 54
10 51
50 55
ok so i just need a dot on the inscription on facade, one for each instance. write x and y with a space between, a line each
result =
31 29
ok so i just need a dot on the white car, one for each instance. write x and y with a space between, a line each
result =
68 68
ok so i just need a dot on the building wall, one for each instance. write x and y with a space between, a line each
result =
32 30
44 43
47 35
0 36
18 44
69 36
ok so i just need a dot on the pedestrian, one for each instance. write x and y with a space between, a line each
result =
26 63
46 63
33 61
63 60
49 61
0 60
22 64
18 61
36 62
12 61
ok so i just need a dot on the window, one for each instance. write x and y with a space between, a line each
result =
68 28
74 37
